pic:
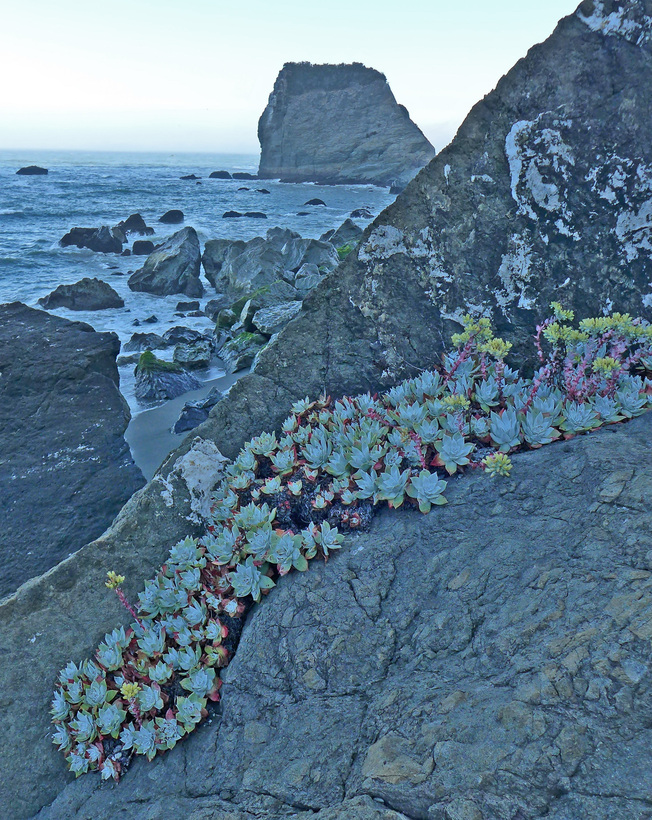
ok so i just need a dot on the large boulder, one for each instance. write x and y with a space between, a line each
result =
338 124
66 468
158 380
87 294
135 224
487 660
173 268
347 234
173 217
216 253
101 240
259 264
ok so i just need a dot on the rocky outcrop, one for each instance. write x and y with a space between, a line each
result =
380 316
66 468
158 380
338 124
172 268
32 171
498 669
87 294
196 412
101 240
135 224
173 217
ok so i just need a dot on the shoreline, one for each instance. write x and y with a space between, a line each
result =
149 434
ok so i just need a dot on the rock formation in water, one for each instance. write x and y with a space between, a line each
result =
172 268
520 687
66 468
87 294
338 124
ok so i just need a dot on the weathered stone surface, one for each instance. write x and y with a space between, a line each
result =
172 268
488 660
193 355
347 234
240 351
145 341
87 294
195 412
271 320
101 240
142 247
216 253
157 379
335 124
65 468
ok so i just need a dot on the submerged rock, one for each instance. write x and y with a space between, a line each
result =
173 267
66 468
189 177
231 214
87 294
338 124
101 240
32 171
157 379
244 175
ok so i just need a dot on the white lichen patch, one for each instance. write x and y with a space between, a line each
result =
540 165
515 274
634 230
383 242
629 21
647 300
199 470
481 178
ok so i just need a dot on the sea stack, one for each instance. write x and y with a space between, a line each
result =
338 124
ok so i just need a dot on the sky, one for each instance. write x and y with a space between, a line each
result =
161 75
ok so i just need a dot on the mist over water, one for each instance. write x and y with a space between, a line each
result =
89 189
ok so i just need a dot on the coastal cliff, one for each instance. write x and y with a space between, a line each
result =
338 124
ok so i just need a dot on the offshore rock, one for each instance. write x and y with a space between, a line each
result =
87 294
173 267
338 124
32 171
101 240
157 379
66 469
135 224
173 217
492 669
195 412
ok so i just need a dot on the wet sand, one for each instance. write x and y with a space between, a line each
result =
149 434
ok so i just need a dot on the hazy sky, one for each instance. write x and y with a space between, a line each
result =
195 75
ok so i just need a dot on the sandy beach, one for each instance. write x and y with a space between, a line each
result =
150 435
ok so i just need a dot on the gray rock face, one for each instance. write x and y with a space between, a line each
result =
157 379
543 194
338 124
87 294
347 234
66 469
492 670
193 355
271 320
216 253
173 268
240 351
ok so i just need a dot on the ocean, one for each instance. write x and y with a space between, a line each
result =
89 189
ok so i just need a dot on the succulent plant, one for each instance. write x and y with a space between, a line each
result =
276 506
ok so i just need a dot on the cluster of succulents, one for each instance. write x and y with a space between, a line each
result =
287 498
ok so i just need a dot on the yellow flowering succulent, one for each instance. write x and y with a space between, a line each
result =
130 690
497 464
114 580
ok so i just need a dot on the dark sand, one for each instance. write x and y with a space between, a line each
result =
149 434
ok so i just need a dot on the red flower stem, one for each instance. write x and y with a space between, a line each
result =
134 708
125 603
